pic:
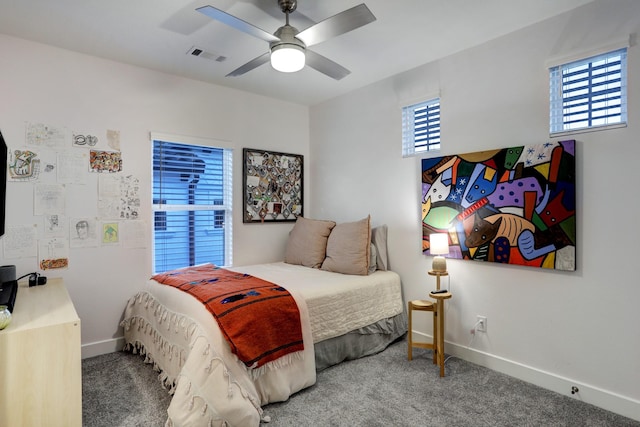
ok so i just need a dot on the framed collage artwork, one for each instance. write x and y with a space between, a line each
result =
272 186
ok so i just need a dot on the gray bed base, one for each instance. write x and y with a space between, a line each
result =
361 342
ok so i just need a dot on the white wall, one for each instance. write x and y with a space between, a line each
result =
556 329
47 85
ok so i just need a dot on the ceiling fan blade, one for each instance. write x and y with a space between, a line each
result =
254 63
336 25
237 23
325 65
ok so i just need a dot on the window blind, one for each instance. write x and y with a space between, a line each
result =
421 127
191 205
589 93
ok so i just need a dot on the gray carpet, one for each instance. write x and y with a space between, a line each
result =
119 389
381 390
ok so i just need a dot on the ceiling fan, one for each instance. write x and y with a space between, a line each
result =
288 47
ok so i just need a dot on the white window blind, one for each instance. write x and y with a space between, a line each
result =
191 205
589 93
421 127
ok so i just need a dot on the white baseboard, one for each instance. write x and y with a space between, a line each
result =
102 347
593 395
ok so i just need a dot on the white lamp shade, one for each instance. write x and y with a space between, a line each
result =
287 58
439 244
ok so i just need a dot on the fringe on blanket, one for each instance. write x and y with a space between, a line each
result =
189 326
139 348
191 330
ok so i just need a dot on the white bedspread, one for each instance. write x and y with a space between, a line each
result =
213 388
337 303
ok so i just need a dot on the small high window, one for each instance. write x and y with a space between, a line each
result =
421 128
589 93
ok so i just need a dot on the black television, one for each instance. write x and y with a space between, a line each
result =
3 182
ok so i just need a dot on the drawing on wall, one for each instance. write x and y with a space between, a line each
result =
80 140
119 196
55 161
42 135
55 226
83 232
49 199
113 139
110 234
134 234
48 166
24 165
272 186
105 161
72 167
513 205
53 254
20 241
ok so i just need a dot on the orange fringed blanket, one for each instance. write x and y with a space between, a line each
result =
259 319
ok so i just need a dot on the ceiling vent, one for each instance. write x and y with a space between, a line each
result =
201 53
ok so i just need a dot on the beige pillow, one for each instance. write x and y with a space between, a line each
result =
307 243
348 248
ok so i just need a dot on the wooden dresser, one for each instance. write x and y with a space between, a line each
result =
40 360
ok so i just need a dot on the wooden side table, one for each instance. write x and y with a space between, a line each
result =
422 305
438 274
440 326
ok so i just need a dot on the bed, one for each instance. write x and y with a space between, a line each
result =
342 316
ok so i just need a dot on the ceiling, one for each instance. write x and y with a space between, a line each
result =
158 34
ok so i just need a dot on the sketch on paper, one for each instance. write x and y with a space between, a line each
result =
72 167
83 232
514 205
42 135
20 241
53 254
105 161
81 140
55 226
24 165
119 197
49 199
110 234
134 234
113 139
48 166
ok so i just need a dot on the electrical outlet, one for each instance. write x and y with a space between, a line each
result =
482 323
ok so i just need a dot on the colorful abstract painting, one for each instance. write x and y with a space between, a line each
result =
512 205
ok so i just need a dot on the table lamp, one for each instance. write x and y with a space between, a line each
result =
439 245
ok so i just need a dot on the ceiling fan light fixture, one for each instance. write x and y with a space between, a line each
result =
287 57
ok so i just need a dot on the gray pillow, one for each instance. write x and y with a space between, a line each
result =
379 239
373 255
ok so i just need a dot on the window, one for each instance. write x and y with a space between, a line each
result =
191 205
421 127
589 93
